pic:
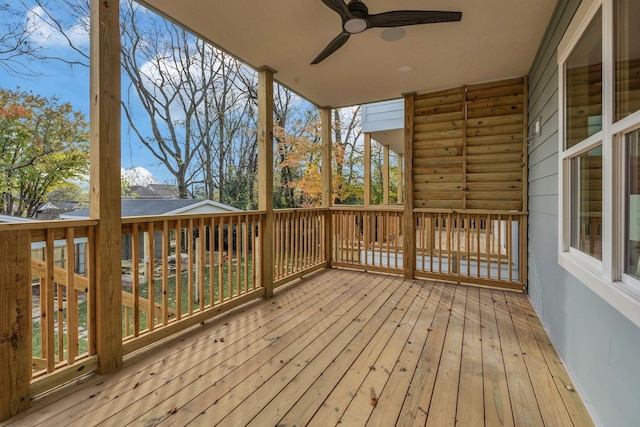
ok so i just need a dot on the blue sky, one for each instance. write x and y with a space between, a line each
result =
71 84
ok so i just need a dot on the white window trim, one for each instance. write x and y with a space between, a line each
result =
604 277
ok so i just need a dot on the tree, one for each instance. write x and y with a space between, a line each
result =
194 108
186 102
303 159
15 46
43 145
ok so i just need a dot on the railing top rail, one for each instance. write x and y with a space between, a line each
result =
374 208
158 218
294 210
45 225
470 211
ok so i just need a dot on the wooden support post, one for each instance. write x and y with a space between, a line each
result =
400 179
105 181
524 219
265 175
385 175
367 169
327 145
15 322
409 232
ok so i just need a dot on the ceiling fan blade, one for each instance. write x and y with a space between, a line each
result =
338 6
401 18
334 45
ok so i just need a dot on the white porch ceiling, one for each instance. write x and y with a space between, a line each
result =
496 39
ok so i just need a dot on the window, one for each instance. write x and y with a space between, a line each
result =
583 138
632 202
583 72
627 58
599 162
586 203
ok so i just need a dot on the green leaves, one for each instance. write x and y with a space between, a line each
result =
43 146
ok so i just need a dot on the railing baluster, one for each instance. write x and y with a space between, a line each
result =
190 267
178 276
151 319
165 272
47 305
221 259
499 246
60 322
201 262
245 252
510 247
135 278
238 243
72 298
229 283
212 260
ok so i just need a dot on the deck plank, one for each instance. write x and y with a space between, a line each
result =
321 351
442 411
526 411
219 394
497 403
470 411
570 397
119 400
390 404
330 364
416 405
551 406
365 397
428 353
248 324
335 404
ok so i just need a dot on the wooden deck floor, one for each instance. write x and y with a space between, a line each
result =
342 347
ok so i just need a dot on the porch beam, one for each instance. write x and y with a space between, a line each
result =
409 232
327 170
367 169
105 181
265 175
15 322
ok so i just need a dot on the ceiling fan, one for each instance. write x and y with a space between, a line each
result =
356 19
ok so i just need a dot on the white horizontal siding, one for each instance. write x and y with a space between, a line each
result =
381 116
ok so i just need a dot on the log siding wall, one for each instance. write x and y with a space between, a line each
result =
469 147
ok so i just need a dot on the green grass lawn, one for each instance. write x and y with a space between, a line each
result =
230 287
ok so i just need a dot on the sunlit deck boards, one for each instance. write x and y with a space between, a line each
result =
342 347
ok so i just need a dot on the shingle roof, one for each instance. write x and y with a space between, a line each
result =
147 207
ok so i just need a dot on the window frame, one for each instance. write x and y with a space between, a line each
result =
605 277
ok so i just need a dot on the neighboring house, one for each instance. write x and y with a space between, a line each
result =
152 191
37 248
53 210
8 219
149 207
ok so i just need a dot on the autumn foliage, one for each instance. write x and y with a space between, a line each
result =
43 146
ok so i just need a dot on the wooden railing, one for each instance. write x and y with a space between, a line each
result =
298 243
479 247
61 300
367 238
181 270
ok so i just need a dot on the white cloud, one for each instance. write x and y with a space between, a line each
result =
43 33
138 176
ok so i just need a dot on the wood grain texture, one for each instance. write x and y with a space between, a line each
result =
465 127
15 322
344 347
